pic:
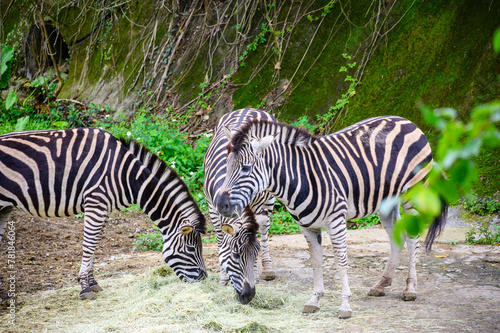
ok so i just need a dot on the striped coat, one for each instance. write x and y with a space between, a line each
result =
66 172
327 180
236 262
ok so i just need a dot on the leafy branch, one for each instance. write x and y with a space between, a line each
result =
453 171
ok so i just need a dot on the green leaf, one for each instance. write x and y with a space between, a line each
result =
425 200
21 123
11 99
61 124
7 53
496 41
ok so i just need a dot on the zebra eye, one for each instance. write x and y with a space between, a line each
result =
235 256
190 248
246 168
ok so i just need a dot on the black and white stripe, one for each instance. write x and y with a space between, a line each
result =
327 180
239 271
66 172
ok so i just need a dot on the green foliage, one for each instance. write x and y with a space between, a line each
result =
496 41
7 55
481 206
453 172
259 39
22 123
149 241
483 236
282 222
303 122
343 101
11 99
364 222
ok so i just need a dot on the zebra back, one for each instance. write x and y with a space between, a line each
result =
366 162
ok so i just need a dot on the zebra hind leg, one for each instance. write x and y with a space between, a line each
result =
92 282
4 217
410 293
94 221
393 260
267 264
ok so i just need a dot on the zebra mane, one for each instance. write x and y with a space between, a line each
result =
258 128
160 170
250 224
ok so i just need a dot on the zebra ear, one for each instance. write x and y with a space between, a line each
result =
186 229
229 134
229 229
259 145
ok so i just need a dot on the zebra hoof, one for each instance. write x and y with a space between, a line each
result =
87 293
310 308
268 275
96 288
342 314
376 292
409 296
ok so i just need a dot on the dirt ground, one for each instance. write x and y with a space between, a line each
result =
459 284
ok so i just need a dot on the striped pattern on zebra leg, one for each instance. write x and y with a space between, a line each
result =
95 215
410 292
313 238
65 172
394 254
92 282
268 272
317 178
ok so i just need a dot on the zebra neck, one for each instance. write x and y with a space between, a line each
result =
290 169
164 199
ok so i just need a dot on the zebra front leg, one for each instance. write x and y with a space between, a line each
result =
410 292
267 264
393 260
338 235
313 238
4 217
94 221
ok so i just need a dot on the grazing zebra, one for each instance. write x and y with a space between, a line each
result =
66 172
327 180
215 172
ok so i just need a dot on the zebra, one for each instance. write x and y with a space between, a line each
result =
327 180
215 171
58 173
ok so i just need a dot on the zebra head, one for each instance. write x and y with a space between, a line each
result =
182 247
238 253
246 173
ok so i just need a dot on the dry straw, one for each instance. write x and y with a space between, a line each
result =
157 301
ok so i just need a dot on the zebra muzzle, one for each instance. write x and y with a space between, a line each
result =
247 294
224 206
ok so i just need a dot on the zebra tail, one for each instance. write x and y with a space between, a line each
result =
436 226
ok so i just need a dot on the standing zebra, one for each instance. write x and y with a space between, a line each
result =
327 180
215 172
65 172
